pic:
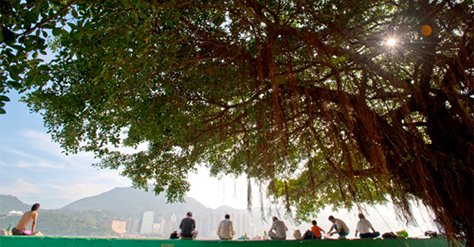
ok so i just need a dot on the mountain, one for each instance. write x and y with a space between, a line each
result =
65 222
9 203
228 209
129 202
51 222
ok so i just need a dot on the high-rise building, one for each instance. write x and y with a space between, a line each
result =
147 223
156 229
173 225
173 217
242 224
119 226
133 225
163 224
201 225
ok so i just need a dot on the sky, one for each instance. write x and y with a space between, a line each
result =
33 168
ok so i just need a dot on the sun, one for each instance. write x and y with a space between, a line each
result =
391 42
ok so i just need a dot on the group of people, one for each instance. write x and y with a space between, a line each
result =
278 229
226 229
340 227
188 228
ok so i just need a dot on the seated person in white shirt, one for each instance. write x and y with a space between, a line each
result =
226 229
363 228
280 230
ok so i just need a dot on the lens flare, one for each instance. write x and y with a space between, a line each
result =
426 30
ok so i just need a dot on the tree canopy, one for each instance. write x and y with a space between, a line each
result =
24 30
328 102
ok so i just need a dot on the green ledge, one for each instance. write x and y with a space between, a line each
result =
48 241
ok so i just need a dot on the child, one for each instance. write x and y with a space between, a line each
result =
316 230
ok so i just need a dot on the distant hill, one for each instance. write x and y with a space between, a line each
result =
129 202
9 203
63 222
98 215
52 223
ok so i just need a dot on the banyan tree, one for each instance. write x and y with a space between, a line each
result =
333 102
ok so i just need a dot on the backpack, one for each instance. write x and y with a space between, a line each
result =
389 235
309 235
297 234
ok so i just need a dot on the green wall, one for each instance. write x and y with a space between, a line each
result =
46 241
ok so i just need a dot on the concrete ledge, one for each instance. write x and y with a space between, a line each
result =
49 241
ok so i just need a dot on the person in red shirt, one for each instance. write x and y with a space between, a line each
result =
316 230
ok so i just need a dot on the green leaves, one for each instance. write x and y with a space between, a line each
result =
22 39
126 4
3 99
57 31
7 36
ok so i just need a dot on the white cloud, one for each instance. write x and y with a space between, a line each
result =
20 188
19 153
27 160
41 141
39 164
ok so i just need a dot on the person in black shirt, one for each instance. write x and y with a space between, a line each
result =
188 227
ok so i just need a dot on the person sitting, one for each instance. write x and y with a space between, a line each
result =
280 229
226 229
188 227
339 227
20 228
316 230
363 228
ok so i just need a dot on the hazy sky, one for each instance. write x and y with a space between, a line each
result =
34 169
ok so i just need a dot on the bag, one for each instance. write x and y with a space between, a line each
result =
174 235
431 234
389 235
297 234
309 235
